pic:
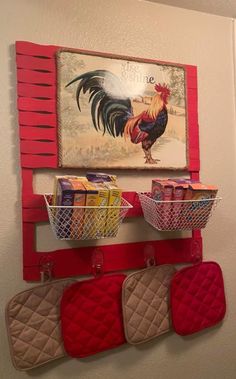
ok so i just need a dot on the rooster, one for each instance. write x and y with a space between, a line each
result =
112 112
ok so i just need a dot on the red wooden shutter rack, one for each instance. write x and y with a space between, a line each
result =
37 116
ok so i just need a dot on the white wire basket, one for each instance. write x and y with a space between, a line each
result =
177 215
85 222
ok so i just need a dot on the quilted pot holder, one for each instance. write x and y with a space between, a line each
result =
33 325
197 298
91 316
145 302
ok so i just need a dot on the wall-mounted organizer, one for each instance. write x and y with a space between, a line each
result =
106 311
38 129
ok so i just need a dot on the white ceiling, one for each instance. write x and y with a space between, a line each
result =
220 7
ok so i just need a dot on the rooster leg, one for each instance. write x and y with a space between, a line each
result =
148 157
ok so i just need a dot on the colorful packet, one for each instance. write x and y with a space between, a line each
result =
115 199
101 214
90 227
100 177
199 211
65 198
77 218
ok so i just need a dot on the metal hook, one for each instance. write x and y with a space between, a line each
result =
46 268
97 263
149 255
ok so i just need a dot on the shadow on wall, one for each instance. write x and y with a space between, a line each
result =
16 171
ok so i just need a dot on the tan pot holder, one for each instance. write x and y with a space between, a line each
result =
145 301
33 325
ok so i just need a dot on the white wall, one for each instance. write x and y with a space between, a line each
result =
146 30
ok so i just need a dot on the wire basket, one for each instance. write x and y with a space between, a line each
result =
177 215
87 222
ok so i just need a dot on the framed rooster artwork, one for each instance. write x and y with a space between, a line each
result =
118 112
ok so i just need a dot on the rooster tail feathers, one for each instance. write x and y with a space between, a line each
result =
110 108
97 97
115 116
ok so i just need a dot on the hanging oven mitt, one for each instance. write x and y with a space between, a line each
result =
33 325
145 302
197 298
91 316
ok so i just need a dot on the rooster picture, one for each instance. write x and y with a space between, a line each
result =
112 112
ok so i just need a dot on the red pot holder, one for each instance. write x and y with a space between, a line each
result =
197 298
91 316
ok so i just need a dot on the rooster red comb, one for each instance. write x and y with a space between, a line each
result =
163 89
